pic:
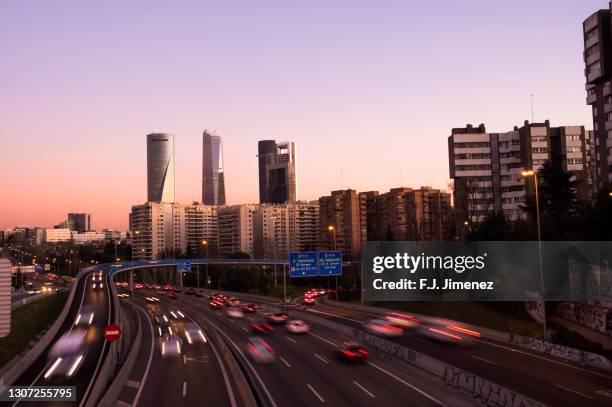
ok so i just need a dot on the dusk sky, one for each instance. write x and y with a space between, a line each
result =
369 89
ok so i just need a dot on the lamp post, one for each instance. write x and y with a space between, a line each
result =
532 173
205 244
332 230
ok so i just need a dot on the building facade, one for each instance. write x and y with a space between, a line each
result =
213 179
58 235
235 225
81 222
340 223
160 168
277 173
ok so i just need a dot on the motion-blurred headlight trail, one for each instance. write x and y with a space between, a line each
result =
163 348
77 320
188 337
75 365
202 336
181 314
52 368
464 330
173 315
170 330
160 331
165 318
90 318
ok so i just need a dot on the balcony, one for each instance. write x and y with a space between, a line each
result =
590 99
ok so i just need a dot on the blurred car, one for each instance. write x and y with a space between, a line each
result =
261 328
124 284
309 301
138 286
194 334
381 327
296 326
172 296
66 355
34 292
221 298
190 291
234 312
352 352
278 318
117 283
402 320
249 308
447 332
85 316
168 287
149 286
234 302
152 300
97 284
123 295
170 347
214 304
260 351
157 287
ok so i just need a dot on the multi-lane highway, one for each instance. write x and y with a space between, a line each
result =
84 373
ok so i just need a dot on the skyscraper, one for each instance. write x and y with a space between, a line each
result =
277 177
160 167
82 221
213 181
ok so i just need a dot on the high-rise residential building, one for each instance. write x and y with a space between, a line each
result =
158 229
279 229
597 36
277 173
340 223
486 167
235 225
213 180
81 222
160 168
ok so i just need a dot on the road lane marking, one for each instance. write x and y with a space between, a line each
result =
184 359
184 389
251 319
133 384
334 315
290 339
399 379
146 372
547 359
284 361
321 399
323 339
245 330
321 358
364 389
573 391
484 360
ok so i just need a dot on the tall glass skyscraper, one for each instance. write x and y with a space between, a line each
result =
160 167
277 177
213 181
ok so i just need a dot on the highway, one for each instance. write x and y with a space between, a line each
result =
305 372
544 378
87 370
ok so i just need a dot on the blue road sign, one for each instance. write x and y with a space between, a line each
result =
330 263
303 264
184 266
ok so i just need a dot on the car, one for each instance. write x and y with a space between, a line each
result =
214 304
170 347
194 334
67 354
124 284
322 291
168 287
34 292
381 327
234 302
152 300
309 301
261 328
249 308
85 316
157 287
97 284
117 283
402 320
351 352
200 293
260 351
447 332
172 296
296 326
221 298
138 286
123 295
278 318
234 312
190 291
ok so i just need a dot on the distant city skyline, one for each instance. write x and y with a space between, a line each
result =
369 94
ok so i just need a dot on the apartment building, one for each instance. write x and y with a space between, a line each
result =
235 229
341 223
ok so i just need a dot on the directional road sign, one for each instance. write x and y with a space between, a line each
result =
184 266
303 264
330 263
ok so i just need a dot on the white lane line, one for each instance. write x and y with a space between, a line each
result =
146 372
245 330
321 358
232 321
321 399
364 389
184 389
290 339
413 387
334 315
251 319
184 359
323 339
284 361
547 359
573 391
484 360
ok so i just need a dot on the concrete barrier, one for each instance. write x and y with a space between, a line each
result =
581 357
33 298
20 363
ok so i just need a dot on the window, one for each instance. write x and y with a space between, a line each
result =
481 144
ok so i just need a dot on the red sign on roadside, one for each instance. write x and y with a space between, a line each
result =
112 332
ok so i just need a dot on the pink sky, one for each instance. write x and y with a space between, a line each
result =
367 90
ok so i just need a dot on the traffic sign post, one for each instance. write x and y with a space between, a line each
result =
112 332
183 266
330 263
303 264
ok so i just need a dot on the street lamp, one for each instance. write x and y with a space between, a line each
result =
205 244
532 173
332 230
